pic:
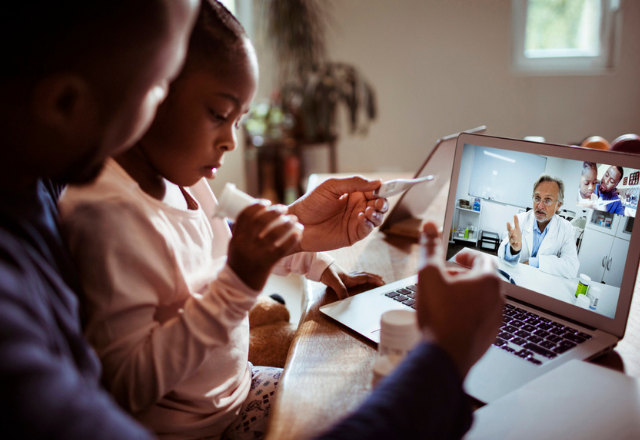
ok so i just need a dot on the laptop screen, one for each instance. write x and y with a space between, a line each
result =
571 222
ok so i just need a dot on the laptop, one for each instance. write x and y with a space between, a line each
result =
545 325
415 206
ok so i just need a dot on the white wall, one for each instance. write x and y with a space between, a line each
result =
441 66
494 216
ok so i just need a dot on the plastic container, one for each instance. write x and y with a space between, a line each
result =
583 285
399 334
583 301
594 296
233 201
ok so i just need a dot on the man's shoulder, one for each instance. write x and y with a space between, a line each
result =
563 223
16 268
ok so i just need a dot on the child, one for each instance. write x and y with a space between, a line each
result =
588 182
166 305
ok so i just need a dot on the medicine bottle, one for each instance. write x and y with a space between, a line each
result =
583 285
233 201
399 334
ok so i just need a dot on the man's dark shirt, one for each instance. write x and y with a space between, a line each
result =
49 376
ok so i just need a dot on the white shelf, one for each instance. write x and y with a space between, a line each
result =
471 240
466 209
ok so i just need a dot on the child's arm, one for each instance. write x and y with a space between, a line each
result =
256 245
338 213
129 276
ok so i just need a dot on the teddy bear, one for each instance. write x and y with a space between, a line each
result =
270 333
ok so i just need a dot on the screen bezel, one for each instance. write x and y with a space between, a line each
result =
616 325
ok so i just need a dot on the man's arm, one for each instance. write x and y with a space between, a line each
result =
46 393
422 399
459 315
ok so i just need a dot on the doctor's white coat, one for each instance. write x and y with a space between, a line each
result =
557 255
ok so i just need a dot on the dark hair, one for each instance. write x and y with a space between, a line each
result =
587 166
39 37
217 36
621 172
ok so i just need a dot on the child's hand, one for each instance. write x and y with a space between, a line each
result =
335 277
257 243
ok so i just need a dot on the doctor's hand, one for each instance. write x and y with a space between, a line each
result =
338 213
460 312
515 235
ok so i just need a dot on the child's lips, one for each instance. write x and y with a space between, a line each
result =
210 172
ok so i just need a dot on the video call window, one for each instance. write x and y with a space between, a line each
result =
574 226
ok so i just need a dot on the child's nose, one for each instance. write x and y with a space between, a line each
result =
229 140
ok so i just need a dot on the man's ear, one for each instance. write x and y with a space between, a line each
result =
64 102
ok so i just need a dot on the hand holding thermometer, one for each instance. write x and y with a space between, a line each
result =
393 187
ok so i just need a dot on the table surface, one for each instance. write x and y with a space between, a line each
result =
328 371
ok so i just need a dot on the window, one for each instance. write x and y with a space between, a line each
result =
565 36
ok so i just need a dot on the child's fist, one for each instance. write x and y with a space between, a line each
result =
262 235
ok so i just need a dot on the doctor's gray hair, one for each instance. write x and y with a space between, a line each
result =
548 178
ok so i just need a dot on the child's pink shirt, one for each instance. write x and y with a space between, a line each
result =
166 315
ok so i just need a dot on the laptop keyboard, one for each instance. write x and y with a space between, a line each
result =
406 295
531 337
535 338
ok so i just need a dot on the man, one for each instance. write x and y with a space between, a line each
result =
545 240
79 81
608 197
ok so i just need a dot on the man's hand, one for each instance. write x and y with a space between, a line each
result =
335 277
515 235
338 213
461 311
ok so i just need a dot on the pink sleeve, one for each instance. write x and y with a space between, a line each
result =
124 265
310 264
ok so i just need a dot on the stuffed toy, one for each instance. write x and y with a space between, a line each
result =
270 332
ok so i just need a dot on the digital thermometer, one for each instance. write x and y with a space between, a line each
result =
393 187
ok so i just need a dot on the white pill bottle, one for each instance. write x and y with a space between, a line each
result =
399 334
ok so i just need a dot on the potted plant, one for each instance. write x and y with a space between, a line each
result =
311 87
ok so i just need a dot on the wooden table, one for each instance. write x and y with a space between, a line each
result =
328 371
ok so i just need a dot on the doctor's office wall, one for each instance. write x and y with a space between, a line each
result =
442 66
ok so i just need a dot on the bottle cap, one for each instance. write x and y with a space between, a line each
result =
233 201
399 330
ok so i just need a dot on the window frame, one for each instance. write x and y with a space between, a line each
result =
569 61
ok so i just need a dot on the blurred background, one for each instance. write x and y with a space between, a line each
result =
379 81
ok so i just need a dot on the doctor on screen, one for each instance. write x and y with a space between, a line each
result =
540 238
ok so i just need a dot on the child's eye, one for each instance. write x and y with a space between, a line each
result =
217 116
